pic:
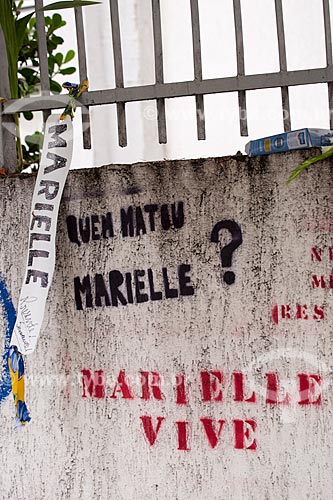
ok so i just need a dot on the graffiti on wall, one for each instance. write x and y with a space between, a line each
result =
319 256
228 250
212 389
139 285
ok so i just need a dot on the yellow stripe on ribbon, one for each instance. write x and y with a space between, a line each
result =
16 370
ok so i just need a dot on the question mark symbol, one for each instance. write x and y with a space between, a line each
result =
227 251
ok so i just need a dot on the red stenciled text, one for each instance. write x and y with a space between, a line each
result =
212 387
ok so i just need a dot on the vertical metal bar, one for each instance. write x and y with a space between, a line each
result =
81 49
328 34
8 155
240 66
283 64
159 73
118 69
43 55
196 41
329 58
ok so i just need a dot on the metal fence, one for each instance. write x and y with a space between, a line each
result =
160 91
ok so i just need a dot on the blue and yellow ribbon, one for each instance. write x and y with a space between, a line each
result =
16 370
15 358
74 90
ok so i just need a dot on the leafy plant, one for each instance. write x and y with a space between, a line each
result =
28 65
21 46
31 150
29 74
309 162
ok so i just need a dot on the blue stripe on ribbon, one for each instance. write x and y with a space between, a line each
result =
9 316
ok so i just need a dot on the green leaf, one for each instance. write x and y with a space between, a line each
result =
28 115
69 56
34 141
7 22
31 78
51 63
51 46
32 23
56 21
57 40
309 162
21 28
28 73
55 87
68 4
59 57
68 71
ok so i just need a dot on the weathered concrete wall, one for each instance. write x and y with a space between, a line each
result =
206 345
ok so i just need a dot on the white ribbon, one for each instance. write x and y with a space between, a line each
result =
51 178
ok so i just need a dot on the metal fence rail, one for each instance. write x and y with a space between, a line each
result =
199 87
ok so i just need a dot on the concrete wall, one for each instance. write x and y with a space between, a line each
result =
211 419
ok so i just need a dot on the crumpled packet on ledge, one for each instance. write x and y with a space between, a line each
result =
304 138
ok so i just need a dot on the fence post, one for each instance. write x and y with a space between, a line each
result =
8 158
